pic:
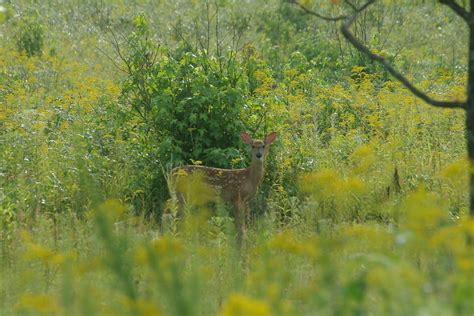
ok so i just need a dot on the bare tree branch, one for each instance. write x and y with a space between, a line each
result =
349 20
111 59
463 13
116 45
389 67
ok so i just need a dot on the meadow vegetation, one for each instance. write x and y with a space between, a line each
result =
100 99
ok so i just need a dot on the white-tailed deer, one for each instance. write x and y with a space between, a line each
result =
234 186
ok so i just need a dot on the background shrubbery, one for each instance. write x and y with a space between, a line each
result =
99 99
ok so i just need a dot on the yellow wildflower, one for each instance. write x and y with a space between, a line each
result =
38 303
240 305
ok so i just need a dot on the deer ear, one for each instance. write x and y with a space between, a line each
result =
246 138
270 138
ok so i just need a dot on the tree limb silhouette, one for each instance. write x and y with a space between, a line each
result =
463 13
345 29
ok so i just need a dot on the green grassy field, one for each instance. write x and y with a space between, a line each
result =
99 99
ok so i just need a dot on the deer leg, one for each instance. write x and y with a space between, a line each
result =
246 212
239 217
180 207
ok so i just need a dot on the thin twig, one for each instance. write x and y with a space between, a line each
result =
179 34
116 45
111 59
351 5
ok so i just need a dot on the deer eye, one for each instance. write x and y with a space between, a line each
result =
253 146
263 146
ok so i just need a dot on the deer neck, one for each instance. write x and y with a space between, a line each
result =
256 171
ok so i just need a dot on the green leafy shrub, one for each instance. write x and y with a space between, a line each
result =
190 101
30 36
196 109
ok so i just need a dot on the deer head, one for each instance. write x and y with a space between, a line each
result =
259 148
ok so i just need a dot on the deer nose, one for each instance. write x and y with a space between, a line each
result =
258 155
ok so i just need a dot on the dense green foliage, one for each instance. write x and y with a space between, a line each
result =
191 101
30 36
99 99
